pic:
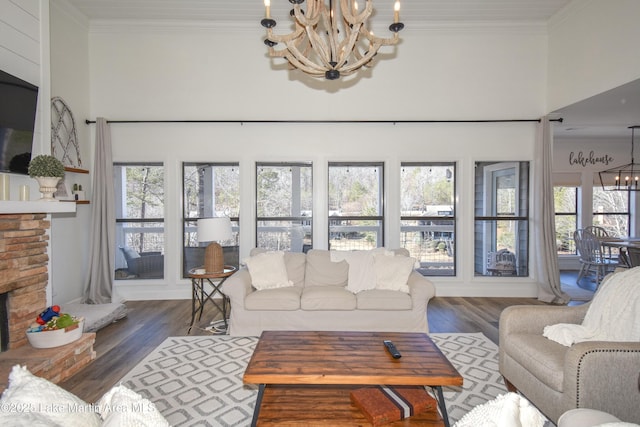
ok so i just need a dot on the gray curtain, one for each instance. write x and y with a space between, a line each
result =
98 289
549 289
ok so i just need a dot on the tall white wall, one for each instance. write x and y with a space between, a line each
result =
145 72
70 81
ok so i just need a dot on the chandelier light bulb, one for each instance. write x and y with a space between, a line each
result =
396 12
267 8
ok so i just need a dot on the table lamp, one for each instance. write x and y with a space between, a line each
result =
214 230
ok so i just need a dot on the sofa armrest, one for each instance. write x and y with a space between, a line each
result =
612 368
238 286
531 319
421 290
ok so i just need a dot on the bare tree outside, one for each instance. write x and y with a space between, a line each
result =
611 211
428 217
284 206
355 206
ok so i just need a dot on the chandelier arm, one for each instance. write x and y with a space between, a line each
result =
394 39
362 61
348 48
320 47
299 59
311 17
314 70
284 38
347 12
330 23
293 54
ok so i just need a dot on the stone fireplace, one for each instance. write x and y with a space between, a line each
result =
23 283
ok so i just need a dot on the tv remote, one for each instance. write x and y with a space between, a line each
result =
391 348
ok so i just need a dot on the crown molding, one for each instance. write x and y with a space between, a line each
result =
568 11
74 14
155 26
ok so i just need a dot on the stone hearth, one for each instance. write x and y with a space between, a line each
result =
23 277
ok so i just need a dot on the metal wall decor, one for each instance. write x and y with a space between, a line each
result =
64 138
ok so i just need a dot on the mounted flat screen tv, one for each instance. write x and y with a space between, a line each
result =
18 104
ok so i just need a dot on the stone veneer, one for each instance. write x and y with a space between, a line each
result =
24 276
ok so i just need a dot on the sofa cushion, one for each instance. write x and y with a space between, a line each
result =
268 270
392 272
294 262
543 358
274 299
378 299
320 271
327 298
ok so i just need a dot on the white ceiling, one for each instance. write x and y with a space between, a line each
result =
605 115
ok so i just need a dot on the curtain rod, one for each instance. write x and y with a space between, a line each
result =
327 121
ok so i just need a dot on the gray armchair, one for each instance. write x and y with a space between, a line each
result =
148 265
599 375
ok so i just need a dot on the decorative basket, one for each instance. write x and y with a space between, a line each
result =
56 338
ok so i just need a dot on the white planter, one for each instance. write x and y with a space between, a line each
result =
48 186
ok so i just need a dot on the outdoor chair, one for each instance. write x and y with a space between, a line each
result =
592 259
145 265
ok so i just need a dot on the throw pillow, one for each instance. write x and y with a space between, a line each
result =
121 406
268 270
508 409
361 274
392 272
29 393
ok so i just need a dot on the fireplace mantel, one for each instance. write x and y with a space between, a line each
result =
35 206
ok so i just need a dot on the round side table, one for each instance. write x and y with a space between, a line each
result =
199 295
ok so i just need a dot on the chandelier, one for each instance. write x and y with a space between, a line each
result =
329 41
625 177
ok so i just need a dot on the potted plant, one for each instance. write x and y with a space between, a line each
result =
47 170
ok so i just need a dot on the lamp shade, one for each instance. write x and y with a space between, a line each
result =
214 229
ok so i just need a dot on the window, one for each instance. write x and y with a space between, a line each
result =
501 218
284 206
611 210
428 216
355 206
139 199
209 189
566 207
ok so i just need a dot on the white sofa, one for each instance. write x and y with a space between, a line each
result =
318 297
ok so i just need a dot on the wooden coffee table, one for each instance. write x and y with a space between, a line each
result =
305 377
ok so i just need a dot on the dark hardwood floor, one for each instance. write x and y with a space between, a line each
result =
122 345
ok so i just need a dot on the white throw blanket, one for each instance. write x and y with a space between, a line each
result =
506 410
614 313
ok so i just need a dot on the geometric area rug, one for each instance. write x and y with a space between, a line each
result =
197 380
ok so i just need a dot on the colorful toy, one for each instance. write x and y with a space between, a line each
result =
48 314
